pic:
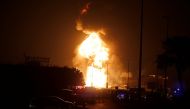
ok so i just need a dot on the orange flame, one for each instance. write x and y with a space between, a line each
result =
94 49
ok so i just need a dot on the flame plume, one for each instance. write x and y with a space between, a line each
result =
95 51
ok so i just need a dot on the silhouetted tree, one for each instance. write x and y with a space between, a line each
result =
23 82
29 79
176 53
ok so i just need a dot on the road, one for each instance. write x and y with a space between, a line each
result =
106 104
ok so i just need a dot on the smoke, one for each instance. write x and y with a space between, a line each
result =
83 12
85 9
80 25
117 74
80 62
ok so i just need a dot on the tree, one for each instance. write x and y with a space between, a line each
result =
176 53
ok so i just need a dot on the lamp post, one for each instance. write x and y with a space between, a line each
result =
140 50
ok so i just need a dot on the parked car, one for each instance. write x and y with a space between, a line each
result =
50 102
73 96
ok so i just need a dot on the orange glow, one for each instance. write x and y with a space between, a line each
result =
94 50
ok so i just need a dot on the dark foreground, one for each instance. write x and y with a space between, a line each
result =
93 100
36 87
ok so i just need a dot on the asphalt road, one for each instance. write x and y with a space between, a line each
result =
105 104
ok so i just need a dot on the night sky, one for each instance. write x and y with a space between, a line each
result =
46 28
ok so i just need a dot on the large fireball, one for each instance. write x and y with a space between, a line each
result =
94 50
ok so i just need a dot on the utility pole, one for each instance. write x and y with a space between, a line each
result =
107 77
165 71
92 78
128 75
140 50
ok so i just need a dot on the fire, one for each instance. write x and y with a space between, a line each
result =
95 51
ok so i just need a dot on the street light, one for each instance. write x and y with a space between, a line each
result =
140 50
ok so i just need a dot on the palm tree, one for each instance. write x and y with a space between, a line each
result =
176 53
